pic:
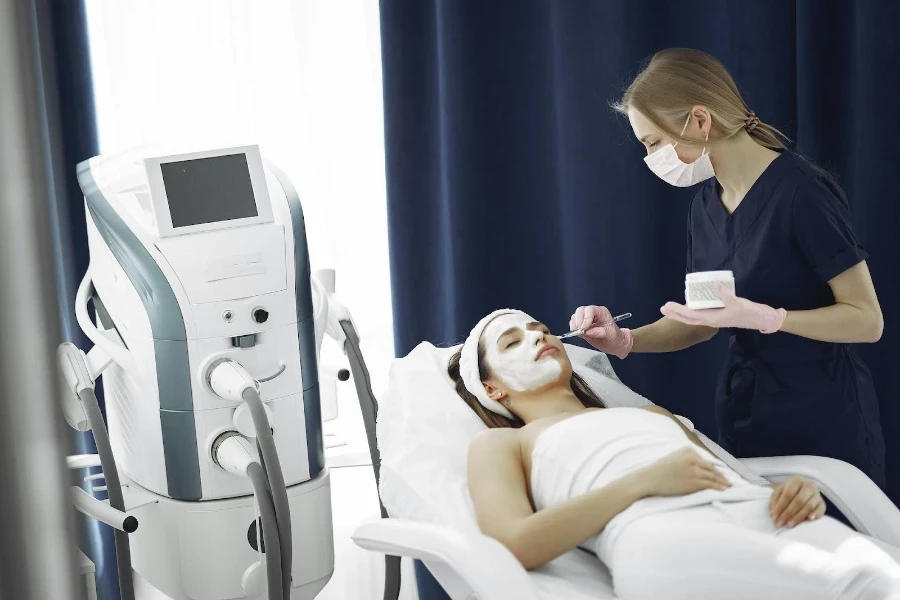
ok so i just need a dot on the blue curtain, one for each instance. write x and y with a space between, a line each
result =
512 183
71 137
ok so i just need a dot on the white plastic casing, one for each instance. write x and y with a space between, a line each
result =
201 551
211 273
191 550
76 377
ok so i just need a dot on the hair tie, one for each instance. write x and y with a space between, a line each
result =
751 122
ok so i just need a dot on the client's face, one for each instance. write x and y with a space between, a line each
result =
522 354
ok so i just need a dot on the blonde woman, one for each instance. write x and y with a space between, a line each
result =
792 381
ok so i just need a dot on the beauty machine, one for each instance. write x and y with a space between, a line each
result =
206 328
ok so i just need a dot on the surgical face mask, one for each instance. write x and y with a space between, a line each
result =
666 165
512 360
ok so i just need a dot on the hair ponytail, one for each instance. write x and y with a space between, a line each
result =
766 135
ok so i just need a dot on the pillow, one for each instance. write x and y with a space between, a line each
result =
423 432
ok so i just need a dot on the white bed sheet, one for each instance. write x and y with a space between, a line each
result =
575 577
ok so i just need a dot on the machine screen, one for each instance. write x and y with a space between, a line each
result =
209 190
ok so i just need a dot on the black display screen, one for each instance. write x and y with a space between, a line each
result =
209 190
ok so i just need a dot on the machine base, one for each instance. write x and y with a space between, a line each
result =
201 550
144 591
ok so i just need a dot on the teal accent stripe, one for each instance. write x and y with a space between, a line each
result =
169 339
312 407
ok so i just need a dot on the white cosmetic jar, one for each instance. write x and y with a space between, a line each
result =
700 288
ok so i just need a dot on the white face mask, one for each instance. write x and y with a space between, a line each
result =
513 361
666 165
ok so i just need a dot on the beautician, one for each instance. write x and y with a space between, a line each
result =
792 382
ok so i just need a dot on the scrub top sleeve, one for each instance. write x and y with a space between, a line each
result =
821 225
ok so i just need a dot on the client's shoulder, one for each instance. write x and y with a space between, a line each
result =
494 438
495 442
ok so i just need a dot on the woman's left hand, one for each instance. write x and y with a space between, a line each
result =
739 313
794 501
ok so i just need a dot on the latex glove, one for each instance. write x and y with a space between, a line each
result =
601 332
738 313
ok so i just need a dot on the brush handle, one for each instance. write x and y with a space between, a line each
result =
578 332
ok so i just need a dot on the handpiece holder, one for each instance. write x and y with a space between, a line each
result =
102 511
323 282
108 340
92 507
79 372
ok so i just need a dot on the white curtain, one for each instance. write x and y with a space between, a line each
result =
302 79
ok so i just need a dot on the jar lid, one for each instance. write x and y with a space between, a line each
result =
710 276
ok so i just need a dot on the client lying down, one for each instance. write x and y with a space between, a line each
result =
557 470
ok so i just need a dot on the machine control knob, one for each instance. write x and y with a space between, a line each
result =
260 315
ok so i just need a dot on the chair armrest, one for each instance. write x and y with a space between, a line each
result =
464 564
863 503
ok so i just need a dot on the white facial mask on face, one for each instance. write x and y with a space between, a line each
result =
515 366
666 165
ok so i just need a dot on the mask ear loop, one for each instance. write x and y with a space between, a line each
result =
683 129
707 141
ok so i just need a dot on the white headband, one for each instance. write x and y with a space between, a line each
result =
468 364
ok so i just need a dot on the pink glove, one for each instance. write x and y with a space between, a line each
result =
601 332
739 313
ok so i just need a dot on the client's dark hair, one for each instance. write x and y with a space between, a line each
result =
579 386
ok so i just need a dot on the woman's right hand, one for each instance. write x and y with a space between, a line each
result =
680 473
601 332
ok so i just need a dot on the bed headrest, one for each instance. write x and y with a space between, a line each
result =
424 429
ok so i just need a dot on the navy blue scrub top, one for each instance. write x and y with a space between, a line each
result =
782 394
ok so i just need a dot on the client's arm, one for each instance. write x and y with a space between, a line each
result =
502 502
669 335
794 501
500 493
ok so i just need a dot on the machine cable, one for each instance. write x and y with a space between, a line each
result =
257 476
113 488
271 464
231 381
233 453
369 408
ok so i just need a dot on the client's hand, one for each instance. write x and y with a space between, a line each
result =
601 332
794 501
681 473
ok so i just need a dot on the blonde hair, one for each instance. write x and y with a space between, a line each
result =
676 80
